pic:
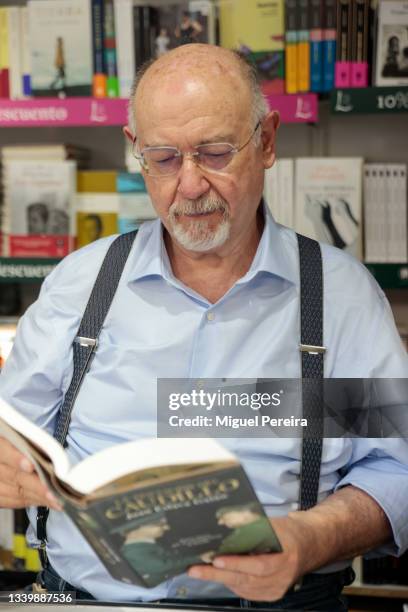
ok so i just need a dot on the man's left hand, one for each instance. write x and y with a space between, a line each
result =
261 577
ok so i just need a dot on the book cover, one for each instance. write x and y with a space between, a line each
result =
109 45
290 47
359 43
39 200
329 44
303 46
286 176
391 65
134 209
96 181
328 201
123 14
397 216
98 56
61 47
14 41
316 44
135 205
182 23
96 216
343 47
152 507
25 52
257 29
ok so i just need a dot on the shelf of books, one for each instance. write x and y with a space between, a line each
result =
390 276
69 112
382 100
18 269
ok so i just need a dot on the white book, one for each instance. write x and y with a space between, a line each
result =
398 244
39 197
14 39
285 192
369 226
328 201
381 223
391 62
125 53
271 193
61 47
25 51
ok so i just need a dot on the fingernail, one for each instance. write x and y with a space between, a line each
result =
218 563
25 465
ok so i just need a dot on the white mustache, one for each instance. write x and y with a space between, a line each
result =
200 206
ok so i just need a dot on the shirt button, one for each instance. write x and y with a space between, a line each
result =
210 316
181 592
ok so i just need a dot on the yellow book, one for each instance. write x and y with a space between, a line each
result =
303 62
96 181
303 46
291 85
249 23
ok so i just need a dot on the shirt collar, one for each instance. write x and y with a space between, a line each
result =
272 256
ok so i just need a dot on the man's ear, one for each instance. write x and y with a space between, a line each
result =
269 127
128 133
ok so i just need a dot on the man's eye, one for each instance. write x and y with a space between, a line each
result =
166 160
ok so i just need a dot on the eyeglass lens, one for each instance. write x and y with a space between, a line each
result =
168 160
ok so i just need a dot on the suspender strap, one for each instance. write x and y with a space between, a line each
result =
312 352
86 343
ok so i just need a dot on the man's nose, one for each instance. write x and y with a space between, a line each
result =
192 181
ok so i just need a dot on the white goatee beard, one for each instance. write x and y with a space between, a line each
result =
199 236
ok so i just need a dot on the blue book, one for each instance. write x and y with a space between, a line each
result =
316 44
329 45
130 182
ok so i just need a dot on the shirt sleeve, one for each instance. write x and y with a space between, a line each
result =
380 466
39 369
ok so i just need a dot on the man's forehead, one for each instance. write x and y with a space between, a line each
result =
203 70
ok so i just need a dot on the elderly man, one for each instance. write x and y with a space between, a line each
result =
209 290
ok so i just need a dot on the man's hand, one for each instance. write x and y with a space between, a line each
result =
20 486
347 523
263 577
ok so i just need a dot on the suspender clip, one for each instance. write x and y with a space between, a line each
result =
88 342
311 349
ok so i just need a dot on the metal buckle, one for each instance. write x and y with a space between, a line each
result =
88 342
311 349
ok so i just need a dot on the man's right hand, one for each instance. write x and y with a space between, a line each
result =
20 486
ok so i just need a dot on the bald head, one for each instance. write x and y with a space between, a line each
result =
223 73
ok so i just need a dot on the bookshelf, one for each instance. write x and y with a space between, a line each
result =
100 112
390 276
311 127
22 270
379 100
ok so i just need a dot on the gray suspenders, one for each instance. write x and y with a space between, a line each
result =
311 347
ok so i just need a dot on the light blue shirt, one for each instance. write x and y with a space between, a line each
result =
158 327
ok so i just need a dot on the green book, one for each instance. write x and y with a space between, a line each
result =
150 508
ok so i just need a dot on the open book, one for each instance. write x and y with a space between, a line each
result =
153 507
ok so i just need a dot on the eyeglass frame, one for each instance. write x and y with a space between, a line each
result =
192 155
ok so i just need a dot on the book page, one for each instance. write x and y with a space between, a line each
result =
117 461
11 418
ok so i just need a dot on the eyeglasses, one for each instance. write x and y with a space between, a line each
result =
166 161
